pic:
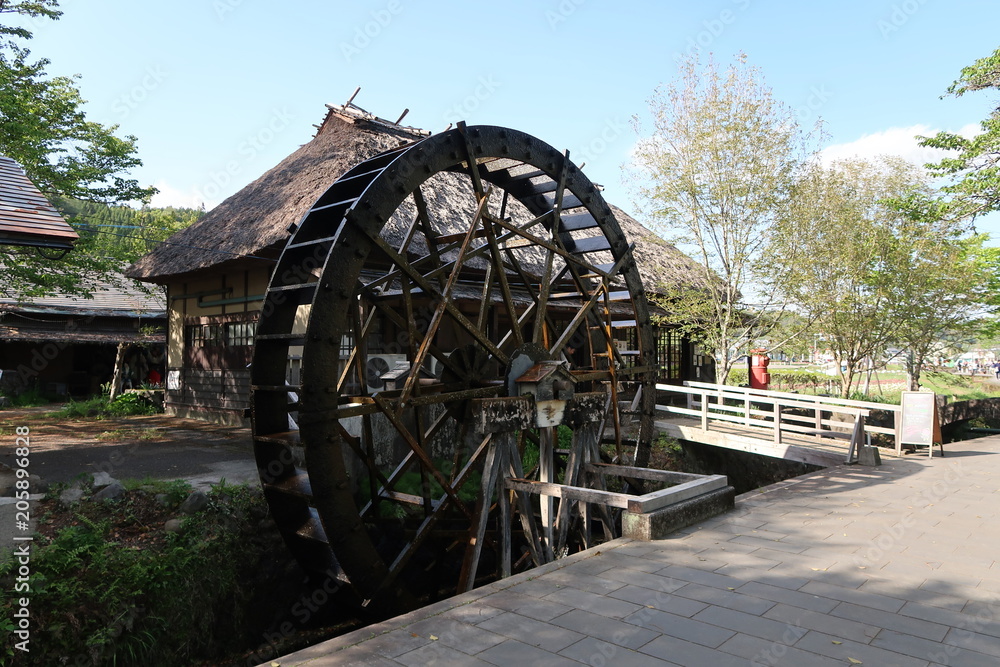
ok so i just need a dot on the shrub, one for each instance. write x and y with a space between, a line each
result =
738 377
130 403
96 600
124 405
88 407
29 398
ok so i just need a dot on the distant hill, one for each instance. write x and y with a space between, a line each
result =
121 231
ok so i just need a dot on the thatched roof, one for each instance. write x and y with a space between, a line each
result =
659 261
254 222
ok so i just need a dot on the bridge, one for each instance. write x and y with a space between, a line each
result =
819 430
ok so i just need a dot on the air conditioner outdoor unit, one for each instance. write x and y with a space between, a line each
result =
379 365
437 366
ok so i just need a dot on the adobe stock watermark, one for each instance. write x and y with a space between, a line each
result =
21 618
774 653
562 12
364 34
308 604
248 150
965 631
713 28
486 86
224 7
899 15
128 102
607 652
611 131
940 489
816 100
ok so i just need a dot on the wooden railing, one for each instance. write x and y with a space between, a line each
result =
782 413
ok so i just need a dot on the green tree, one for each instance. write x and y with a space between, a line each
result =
868 271
717 170
974 163
44 128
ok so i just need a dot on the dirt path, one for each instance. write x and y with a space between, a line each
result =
156 446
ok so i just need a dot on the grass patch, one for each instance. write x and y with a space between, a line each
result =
29 398
99 407
131 433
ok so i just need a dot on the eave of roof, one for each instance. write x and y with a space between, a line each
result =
26 216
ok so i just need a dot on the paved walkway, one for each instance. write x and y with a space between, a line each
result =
876 566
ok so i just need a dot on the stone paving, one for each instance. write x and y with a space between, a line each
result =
894 565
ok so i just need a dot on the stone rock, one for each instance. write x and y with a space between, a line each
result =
162 499
112 491
196 502
869 456
172 526
103 479
38 485
70 496
7 480
4 402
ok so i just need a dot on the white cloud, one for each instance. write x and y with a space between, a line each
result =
899 141
171 196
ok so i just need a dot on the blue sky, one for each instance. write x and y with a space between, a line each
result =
219 91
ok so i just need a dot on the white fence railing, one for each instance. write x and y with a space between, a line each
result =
782 412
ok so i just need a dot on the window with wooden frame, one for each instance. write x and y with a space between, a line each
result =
219 341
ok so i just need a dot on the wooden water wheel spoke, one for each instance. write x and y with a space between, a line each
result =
427 463
539 241
585 313
356 354
445 299
429 234
390 313
425 277
424 531
389 483
508 299
448 306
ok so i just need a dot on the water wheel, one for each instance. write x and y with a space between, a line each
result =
406 291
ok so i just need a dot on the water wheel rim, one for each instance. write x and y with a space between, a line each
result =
320 267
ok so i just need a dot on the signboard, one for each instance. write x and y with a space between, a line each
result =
919 418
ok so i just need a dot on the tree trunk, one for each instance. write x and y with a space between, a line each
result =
914 368
118 378
723 364
846 376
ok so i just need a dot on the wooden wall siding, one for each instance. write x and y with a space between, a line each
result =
217 389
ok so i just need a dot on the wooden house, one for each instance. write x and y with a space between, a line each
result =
66 345
216 272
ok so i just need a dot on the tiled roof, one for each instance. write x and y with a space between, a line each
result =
107 300
26 217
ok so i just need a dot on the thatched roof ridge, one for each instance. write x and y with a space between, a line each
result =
255 220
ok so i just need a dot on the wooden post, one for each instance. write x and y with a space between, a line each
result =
117 379
546 473
777 423
704 412
491 473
